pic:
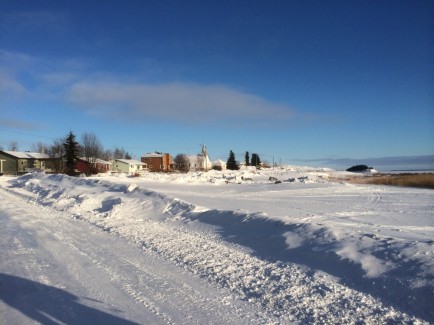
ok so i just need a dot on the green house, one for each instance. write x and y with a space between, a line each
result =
18 163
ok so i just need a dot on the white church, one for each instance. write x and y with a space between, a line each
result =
200 162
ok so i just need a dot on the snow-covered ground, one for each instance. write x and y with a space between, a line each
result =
273 246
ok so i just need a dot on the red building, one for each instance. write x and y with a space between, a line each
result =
158 162
87 167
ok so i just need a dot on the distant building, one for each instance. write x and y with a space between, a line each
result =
158 162
92 166
200 162
219 164
18 163
128 166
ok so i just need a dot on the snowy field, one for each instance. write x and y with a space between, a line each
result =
249 247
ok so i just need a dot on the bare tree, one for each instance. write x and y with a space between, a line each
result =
39 147
56 152
13 146
107 155
91 149
182 163
119 153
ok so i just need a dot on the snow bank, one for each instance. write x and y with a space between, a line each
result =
285 266
249 175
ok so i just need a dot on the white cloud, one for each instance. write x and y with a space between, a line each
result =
36 77
11 88
59 78
189 103
102 94
18 124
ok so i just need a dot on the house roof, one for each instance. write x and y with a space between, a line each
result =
153 155
27 155
130 161
219 162
97 161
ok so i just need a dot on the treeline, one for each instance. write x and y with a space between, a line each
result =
233 164
89 148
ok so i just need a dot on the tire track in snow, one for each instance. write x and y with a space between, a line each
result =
172 295
126 285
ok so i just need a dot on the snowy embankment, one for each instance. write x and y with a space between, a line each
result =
289 242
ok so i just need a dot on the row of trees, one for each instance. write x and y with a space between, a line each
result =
232 163
182 162
91 149
68 148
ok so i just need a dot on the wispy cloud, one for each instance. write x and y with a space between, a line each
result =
26 76
18 124
34 21
101 94
10 88
182 102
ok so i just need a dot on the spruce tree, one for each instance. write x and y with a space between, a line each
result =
71 153
247 159
256 161
232 164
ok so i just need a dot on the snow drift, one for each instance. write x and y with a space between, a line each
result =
335 268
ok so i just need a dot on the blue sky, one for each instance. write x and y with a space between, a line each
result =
293 80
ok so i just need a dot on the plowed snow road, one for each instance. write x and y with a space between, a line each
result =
58 270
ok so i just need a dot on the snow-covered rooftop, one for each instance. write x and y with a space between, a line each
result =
153 155
27 155
130 161
97 161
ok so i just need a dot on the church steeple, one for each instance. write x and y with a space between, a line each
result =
204 151
206 163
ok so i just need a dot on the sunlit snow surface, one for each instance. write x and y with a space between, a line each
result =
294 245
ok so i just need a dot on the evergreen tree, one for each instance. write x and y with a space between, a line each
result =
232 164
256 161
247 159
71 153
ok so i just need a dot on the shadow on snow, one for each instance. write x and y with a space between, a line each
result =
267 239
49 305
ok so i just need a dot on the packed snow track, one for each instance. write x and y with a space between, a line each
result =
59 270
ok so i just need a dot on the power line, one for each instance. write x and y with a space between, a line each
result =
26 133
